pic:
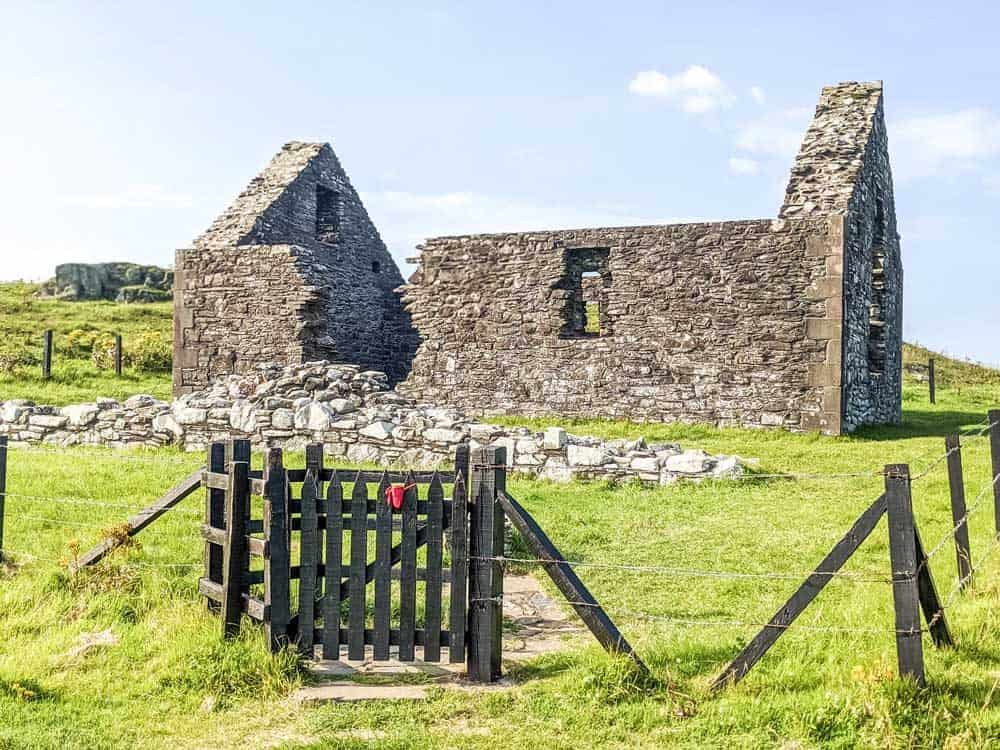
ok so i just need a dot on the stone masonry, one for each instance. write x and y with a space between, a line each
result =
293 271
794 322
356 417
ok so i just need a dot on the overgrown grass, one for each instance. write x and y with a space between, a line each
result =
75 377
166 680
170 682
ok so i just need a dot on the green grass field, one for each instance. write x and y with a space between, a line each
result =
168 681
146 330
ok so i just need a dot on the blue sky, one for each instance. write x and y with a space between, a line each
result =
125 128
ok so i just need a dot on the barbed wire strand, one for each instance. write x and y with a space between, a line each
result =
74 500
105 454
31 556
977 503
959 585
692 572
623 613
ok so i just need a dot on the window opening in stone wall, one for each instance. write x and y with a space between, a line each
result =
376 267
327 214
877 311
591 283
585 284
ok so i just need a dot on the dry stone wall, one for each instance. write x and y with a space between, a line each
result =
843 168
719 323
357 417
792 323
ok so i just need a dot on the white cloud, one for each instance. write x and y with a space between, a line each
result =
776 135
133 196
757 94
942 143
743 166
696 90
406 219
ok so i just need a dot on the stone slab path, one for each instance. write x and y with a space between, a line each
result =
534 624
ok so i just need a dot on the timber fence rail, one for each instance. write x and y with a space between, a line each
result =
271 536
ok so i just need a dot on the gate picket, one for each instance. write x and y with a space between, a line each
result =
408 572
334 560
307 565
432 587
458 592
359 560
383 566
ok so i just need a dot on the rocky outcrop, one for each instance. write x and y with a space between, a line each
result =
357 418
121 282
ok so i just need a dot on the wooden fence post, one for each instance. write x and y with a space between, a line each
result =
47 356
489 477
931 383
277 563
956 483
3 487
903 557
118 354
994 422
235 549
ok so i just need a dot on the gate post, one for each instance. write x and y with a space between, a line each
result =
994 428
235 549
903 557
486 539
3 487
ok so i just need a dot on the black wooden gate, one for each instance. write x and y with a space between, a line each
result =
300 549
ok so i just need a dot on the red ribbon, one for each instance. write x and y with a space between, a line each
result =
394 495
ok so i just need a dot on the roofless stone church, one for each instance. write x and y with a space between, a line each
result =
791 322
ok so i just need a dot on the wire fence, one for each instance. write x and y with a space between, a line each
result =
931 460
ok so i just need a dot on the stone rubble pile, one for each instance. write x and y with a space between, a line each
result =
357 417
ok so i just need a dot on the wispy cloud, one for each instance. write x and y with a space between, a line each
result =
132 196
696 90
927 145
776 135
757 94
743 166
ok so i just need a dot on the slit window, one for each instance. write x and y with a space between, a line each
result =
584 288
376 267
877 296
327 214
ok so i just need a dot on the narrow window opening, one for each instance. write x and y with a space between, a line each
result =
590 281
584 285
327 214
877 311
376 267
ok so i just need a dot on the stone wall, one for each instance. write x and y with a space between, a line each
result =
357 418
720 323
843 168
293 271
792 323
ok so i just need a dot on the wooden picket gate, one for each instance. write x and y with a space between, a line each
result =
266 530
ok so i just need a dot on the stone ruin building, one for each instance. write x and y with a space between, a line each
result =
293 271
791 322
794 322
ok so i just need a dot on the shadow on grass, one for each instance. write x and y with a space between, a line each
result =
922 423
